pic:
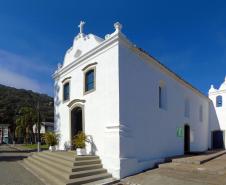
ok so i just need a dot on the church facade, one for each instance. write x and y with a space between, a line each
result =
134 109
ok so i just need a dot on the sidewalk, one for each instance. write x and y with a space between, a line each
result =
206 169
11 172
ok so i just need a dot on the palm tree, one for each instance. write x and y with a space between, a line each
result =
20 130
24 123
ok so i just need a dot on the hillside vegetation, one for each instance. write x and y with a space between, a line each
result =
12 99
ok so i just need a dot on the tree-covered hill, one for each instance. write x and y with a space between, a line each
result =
12 99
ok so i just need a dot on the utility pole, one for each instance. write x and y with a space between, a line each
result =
38 127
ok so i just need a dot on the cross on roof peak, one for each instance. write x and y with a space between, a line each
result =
81 25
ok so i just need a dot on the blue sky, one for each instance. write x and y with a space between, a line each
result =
187 36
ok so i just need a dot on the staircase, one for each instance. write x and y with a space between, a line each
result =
65 168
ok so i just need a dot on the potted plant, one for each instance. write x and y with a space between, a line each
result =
79 142
51 139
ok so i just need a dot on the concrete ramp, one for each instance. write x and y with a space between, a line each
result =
210 163
197 158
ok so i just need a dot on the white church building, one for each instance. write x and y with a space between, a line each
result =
135 110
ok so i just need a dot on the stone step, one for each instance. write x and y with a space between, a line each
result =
88 179
49 169
61 168
83 158
60 155
69 153
54 164
86 167
42 174
87 173
87 162
107 181
53 159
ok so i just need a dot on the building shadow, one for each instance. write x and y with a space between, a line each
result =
10 158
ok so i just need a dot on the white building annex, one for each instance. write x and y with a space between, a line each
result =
136 111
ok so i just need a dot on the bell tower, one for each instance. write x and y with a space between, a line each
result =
217 125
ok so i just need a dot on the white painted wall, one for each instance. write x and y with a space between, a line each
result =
149 133
217 114
101 107
129 130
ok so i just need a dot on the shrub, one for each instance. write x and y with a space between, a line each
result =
51 138
79 140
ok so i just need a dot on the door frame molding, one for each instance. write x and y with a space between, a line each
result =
75 105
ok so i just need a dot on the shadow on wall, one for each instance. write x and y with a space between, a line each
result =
67 145
56 103
92 148
216 135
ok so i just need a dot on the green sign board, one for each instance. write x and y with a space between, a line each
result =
180 132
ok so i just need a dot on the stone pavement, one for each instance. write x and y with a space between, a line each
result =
11 172
212 172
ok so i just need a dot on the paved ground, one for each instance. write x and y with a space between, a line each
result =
209 173
11 172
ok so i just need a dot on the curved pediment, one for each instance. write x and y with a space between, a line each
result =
66 79
75 101
81 45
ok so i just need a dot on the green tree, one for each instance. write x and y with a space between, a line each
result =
24 123
12 100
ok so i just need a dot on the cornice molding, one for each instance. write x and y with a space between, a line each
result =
217 92
158 64
119 36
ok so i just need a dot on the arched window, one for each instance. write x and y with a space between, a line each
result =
66 90
89 80
219 101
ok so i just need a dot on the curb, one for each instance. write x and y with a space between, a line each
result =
22 150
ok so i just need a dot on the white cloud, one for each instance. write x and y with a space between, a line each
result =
18 81
12 60
17 71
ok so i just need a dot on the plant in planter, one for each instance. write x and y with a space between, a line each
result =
51 139
79 142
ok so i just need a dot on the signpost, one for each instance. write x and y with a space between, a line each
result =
5 135
0 135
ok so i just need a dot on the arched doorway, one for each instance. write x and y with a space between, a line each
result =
76 121
186 139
